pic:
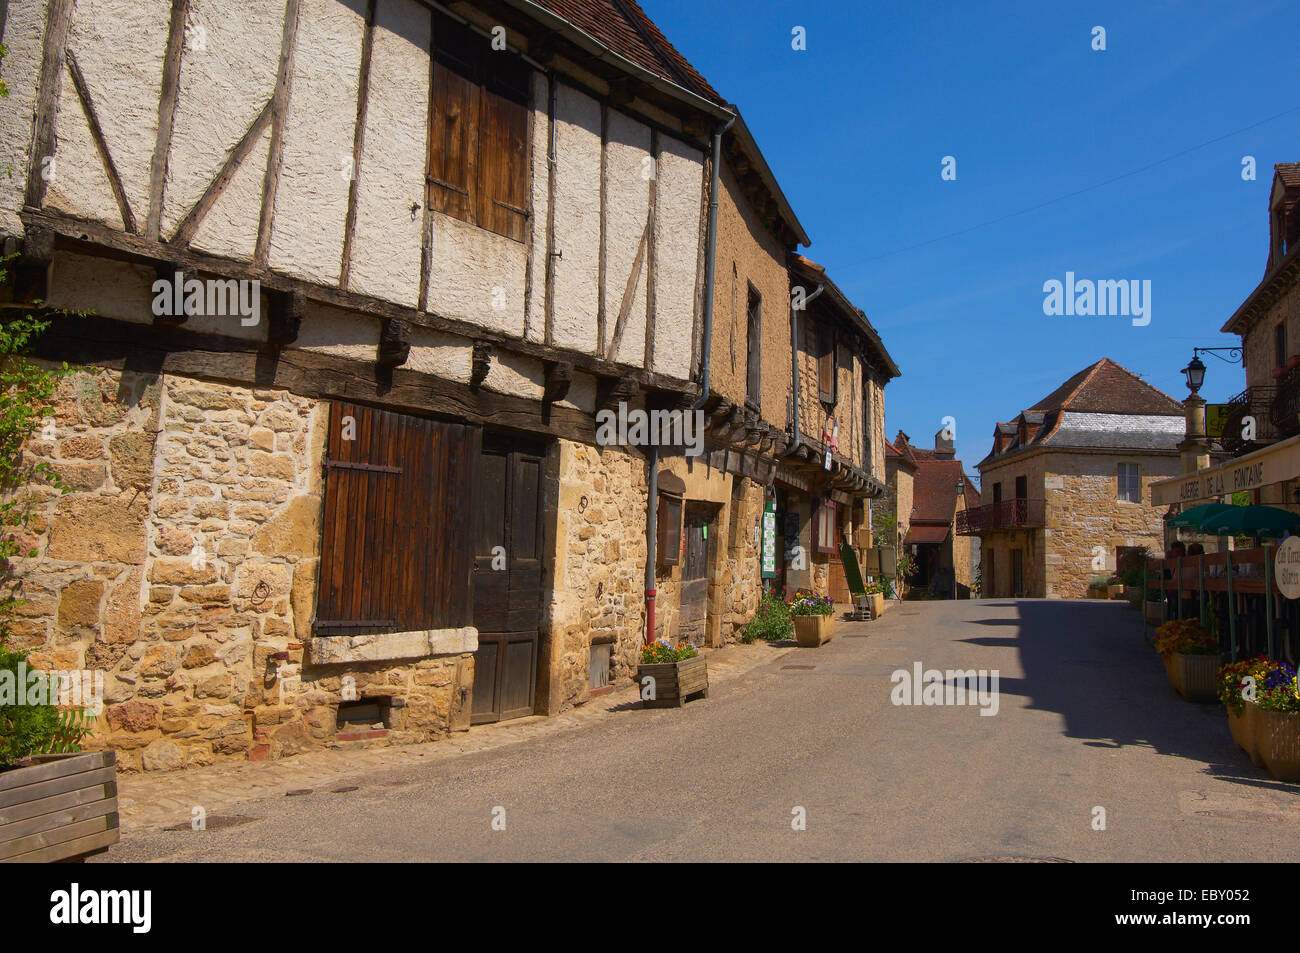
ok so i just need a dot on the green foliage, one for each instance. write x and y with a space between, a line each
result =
23 728
887 587
771 621
1133 566
906 566
658 652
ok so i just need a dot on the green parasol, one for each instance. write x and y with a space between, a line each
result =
1192 519
1251 521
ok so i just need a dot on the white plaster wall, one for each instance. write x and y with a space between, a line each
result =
78 184
111 289
516 376
20 69
577 219
582 393
677 247
119 45
311 205
443 355
386 242
627 203
469 264
341 333
222 89
229 229
535 320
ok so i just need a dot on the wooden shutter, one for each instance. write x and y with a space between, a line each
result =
824 527
754 355
454 118
503 146
826 365
395 555
669 527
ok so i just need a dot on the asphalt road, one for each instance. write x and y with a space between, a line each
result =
1085 719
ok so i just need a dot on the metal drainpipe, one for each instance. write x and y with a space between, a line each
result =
651 534
794 366
710 260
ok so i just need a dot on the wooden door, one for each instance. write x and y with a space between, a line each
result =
508 539
396 512
1018 572
698 539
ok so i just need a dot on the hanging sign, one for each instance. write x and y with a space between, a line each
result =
1286 567
768 552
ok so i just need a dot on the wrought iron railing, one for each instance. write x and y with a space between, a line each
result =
1008 514
1249 421
1286 405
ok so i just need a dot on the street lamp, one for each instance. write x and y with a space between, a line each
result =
1195 373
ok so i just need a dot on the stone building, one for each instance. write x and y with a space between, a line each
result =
1065 487
349 285
1261 428
931 491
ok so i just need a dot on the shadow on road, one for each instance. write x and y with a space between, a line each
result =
1089 662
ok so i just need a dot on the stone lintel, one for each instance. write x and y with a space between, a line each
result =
385 646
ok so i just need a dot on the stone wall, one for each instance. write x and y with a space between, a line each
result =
599 569
182 564
1258 341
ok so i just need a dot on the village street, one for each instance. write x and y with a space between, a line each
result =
1085 719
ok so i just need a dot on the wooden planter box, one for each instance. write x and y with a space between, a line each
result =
812 631
1195 677
1277 736
63 807
674 681
1245 731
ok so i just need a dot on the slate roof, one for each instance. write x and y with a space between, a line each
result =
624 27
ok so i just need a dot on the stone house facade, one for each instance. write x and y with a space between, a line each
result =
936 491
1066 485
370 503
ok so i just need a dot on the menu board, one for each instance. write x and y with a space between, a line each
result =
768 551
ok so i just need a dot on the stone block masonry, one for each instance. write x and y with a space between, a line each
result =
182 562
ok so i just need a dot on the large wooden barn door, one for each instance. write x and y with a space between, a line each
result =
396 517
508 540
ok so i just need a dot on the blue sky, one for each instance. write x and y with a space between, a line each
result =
856 126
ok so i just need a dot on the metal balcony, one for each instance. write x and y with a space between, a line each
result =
1009 514
1256 402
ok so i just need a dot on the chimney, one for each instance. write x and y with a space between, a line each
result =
943 447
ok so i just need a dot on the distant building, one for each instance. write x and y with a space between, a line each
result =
929 488
1065 487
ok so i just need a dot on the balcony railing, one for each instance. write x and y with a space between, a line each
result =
1009 514
1286 405
1256 402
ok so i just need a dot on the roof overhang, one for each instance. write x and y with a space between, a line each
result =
1275 284
749 146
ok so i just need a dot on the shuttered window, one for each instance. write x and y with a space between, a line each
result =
396 520
824 525
754 356
478 133
826 365
669 530
1130 483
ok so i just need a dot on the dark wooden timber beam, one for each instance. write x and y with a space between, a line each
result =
559 376
480 363
93 238
28 280
611 391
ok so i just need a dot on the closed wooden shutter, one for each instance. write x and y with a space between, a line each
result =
479 131
394 550
669 530
826 365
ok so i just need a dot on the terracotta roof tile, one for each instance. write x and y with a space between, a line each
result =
1108 388
1289 172
934 490
624 27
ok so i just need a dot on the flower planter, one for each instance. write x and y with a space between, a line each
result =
1245 732
812 631
1195 677
673 681
62 807
1277 736
1115 592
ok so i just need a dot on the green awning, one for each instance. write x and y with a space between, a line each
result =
1251 521
1191 518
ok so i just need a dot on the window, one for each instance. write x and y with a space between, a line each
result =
669 526
478 131
997 492
826 365
754 358
1130 483
1279 344
824 525
1022 488
866 420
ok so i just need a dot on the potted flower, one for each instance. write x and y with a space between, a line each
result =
876 597
1243 712
1191 657
56 802
814 619
771 621
1097 587
667 674
1277 722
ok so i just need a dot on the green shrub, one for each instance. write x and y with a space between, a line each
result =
24 729
771 621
